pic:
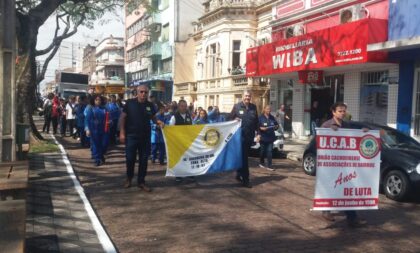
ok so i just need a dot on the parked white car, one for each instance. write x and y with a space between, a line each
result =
277 145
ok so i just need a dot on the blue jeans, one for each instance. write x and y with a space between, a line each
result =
266 151
158 147
141 146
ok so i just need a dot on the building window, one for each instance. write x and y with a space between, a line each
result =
374 97
213 52
236 54
136 26
167 65
165 33
164 4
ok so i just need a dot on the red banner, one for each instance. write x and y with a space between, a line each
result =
336 46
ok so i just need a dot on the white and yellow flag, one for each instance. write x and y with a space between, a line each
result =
203 149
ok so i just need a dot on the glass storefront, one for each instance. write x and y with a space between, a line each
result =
374 97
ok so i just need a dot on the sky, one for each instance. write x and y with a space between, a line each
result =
109 24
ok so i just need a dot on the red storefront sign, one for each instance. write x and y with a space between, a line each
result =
336 46
310 76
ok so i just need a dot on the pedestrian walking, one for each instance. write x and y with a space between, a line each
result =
267 127
97 127
247 113
114 115
55 114
63 119
47 110
71 115
281 117
135 131
158 144
338 111
181 117
80 121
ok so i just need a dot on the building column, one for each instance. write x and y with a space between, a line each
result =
7 80
405 90
352 93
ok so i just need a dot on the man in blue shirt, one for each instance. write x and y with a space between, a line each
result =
247 112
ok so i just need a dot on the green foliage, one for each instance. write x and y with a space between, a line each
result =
44 147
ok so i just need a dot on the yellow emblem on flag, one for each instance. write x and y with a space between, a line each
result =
178 141
212 137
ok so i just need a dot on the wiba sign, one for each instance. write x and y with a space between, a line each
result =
335 46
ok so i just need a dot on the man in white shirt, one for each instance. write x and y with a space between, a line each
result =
71 114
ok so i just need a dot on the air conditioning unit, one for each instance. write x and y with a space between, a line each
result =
351 14
294 30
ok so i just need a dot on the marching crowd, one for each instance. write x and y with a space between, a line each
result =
98 121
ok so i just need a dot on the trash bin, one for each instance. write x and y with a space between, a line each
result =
22 137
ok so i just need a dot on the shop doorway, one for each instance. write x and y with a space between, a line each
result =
322 97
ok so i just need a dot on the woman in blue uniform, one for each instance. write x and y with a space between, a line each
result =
202 118
97 127
158 144
267 126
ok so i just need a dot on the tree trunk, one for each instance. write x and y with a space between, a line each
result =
26 73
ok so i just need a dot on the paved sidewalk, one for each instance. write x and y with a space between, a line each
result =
215 215
294 148
56 217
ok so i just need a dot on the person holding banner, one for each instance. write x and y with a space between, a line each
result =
339 110
135 131
267 126
181 117
247 112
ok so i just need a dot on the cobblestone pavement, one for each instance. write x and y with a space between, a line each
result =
215 215
56 218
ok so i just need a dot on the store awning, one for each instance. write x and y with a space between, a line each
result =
396 45
336 46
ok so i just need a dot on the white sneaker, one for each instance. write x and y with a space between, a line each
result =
270 169
261 166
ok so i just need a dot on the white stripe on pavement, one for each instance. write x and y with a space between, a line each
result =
103 237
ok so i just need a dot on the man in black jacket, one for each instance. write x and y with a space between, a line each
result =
247 112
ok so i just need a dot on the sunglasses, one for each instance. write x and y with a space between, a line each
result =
142 91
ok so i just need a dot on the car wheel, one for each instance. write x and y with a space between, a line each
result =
309 164
396 185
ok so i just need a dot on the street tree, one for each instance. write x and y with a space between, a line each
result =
69 16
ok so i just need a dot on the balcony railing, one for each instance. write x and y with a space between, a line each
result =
155 49
153 20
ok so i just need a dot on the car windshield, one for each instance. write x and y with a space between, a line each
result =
393 138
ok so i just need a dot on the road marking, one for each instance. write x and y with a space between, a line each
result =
103 237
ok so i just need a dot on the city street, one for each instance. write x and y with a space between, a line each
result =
215 215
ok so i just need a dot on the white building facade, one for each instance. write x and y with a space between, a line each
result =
222 36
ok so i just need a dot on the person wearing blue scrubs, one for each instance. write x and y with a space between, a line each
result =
80 120
114 115
158 144
97 128
267 127
202 118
